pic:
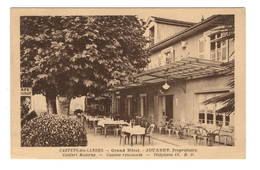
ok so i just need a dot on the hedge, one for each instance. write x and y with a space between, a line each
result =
53 130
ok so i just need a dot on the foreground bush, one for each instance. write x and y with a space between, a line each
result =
53 130
28 117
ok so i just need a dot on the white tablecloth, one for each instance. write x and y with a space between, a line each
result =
104 122
136 130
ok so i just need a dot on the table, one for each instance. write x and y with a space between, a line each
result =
106 123
134 131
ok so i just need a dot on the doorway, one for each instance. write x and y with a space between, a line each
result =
169 107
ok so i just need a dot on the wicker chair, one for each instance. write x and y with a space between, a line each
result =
226 136
170 129
201 136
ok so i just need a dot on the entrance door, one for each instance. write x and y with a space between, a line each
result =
169 106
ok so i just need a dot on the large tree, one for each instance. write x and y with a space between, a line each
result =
69 56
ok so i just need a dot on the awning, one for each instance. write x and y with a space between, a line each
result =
185 69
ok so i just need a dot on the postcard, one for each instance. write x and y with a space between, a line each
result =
128 83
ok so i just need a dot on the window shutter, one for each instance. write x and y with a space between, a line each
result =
224 51
207 48
160 59
201 47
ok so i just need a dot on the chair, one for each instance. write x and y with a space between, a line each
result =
123 136
91 123
163 128
110 129
186 131
97 128
179 131
201 136
192 132
169 128
149 132
226 136
169 131
117 130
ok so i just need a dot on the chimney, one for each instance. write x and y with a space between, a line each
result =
202 18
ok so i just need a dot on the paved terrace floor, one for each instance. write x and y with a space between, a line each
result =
158 140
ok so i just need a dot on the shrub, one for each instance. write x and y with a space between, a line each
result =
28 117
53 130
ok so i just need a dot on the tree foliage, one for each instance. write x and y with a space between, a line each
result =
227 99
77 55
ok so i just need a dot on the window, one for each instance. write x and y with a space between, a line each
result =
212 37
219 119
170 55
227 120
167 56
210 117
207 113
151 35
218 35
218 47
202 117
212 50
212 46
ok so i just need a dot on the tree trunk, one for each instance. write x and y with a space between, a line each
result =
51 104
64 105
86 103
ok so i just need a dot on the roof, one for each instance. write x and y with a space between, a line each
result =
206 24
185 69
170 21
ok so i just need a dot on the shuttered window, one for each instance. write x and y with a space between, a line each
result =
218 47
167 56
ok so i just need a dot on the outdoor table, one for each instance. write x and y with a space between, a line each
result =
134 131
106 123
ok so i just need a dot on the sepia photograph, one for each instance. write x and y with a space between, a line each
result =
135 83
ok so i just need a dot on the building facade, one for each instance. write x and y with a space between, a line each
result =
185 69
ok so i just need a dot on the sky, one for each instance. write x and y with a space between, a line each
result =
184 14
191 15
187 14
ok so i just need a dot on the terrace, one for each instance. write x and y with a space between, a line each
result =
118 133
